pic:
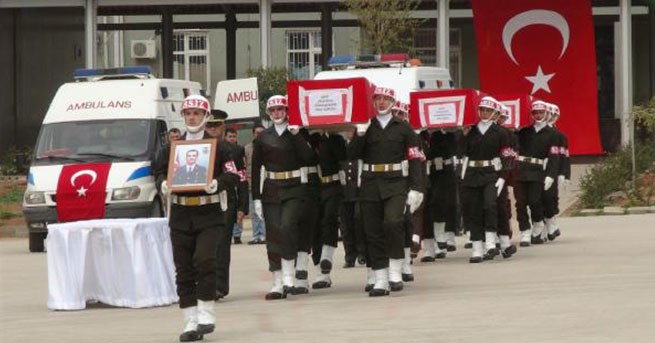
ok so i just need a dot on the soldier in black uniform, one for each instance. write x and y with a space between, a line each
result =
483 179
391 181
551 197
538 165
331 151
504 208
237 201
195 221
352 232
279 191
443 180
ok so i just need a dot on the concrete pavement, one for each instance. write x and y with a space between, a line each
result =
596 283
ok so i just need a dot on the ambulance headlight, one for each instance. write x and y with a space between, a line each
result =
34 198
127 193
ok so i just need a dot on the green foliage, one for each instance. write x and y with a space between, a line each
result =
615 174
15 161
387 24
8 215
645 115
270 81
14 195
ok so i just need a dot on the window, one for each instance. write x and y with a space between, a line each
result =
303 53
425 46
191 57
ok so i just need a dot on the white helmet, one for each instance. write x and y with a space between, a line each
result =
275 101
387 92
541 106
199 102
492 104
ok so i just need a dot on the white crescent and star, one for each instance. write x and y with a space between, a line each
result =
81 192
536 17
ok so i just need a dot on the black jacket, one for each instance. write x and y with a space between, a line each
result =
542 145
392 144
484 147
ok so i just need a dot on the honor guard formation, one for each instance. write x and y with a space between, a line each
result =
391 191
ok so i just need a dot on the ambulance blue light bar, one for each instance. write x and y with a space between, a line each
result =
98 72
367 60
341 60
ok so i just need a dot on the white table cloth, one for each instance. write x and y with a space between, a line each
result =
119 262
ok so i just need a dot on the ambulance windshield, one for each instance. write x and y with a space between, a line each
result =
97 140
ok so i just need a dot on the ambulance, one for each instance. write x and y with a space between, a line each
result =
115 117
396 71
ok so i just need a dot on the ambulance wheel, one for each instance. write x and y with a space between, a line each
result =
37 241
156 211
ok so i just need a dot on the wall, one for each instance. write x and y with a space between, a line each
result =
7 65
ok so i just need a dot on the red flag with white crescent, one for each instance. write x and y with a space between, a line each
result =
544 48
81 191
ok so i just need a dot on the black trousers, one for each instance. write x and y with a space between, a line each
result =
384 224
528 194
480 209
224 247
504 213
352 230
283 227
328 226
550 200
309 221
444 201
194 231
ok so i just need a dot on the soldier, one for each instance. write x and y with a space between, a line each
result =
391 181
279 192
195 223
331 152
413 221
507 249
538 165
242 199
443 180
483 179
237 203
551 197
352 232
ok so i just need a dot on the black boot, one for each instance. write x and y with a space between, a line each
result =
190 336
509 251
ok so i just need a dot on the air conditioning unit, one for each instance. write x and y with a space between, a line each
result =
143 49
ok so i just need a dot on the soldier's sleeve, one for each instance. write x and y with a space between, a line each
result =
415 156
506 154
567 158
255 169
552 168
302 147
242 186
355 149
160 169
338 147
228 176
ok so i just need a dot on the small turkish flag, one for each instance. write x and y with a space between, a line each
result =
81 191
544 48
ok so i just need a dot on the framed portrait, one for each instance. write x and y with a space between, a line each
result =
191 165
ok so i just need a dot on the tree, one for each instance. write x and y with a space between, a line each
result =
387 24
270 81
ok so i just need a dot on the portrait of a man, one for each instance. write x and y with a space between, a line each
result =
191 172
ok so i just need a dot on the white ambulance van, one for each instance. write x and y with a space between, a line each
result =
119 116
394 71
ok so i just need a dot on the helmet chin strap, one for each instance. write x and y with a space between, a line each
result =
385 111
199 127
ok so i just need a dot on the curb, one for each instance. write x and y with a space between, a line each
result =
614 210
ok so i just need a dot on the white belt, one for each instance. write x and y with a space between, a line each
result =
532 160
382 167
311 170
479 164
195 200
330 178
285 175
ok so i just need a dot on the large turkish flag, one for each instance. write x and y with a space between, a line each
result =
81 191
544 48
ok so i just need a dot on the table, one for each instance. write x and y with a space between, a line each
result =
119 262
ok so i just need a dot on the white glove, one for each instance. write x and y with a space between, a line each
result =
361 128
212 187
548 182
414 200
259 209
294 129
499 186
165 191
562 181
